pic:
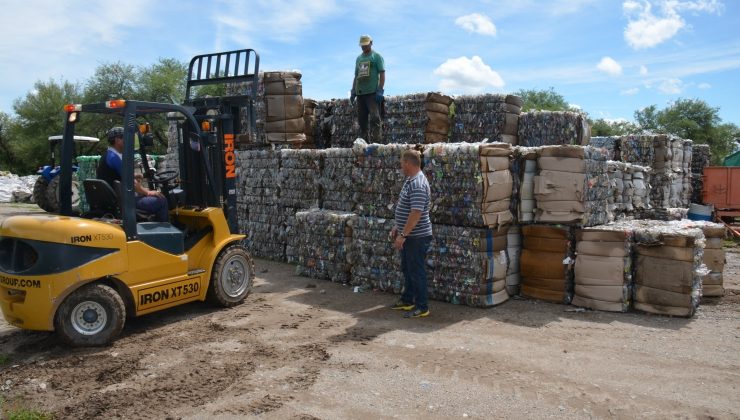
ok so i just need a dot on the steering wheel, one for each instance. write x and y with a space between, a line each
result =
164 177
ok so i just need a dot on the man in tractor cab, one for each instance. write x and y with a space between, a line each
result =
109 170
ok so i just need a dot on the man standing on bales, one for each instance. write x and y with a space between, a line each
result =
367 90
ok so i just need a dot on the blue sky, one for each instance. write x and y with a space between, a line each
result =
608 57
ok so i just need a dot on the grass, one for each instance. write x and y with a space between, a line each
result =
18 412
4 359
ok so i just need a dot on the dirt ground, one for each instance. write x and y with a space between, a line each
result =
303 349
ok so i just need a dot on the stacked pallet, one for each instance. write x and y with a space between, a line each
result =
468 266
376 265
320 244
336 179
376 178
491 116
284 108
714 259
572 186
471 184
547 128
701 158
668 269
603 268
438 118
261 217
546 263
513 254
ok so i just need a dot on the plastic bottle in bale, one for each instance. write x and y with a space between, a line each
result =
376 265
284 107
548 128
320 244
468 266
546 263
492 116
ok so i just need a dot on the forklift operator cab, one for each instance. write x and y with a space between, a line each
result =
83 276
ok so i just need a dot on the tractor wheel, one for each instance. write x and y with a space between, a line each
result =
91 316
39 194
53 198
232 278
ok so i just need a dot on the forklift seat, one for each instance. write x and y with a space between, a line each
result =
101 198
141 215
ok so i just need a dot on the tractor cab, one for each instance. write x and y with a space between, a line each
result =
83 275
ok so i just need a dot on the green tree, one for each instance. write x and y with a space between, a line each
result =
7 154
111 81
39 115
691 119
542 100
647 118
602 127
163 81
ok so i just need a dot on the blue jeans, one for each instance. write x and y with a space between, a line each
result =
413 262
155 205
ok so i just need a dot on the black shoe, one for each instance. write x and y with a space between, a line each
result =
416 313
402 306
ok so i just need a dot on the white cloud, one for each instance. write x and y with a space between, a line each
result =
609 66
704 86
243 21
477 23
671 86
630 92
646 29
643 71
467 75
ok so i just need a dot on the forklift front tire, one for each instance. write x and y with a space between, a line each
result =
232 278
91 316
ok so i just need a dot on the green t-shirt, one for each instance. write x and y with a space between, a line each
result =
367 72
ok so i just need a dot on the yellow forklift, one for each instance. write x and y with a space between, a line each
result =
83 276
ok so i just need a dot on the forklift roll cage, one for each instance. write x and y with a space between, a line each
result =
206 157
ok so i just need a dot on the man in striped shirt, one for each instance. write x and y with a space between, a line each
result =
412 235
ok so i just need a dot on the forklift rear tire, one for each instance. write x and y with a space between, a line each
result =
39 194
232 278
93 315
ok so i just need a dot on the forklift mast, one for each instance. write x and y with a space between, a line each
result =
208 170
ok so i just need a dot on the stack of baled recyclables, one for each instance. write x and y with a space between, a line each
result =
467 261
471 192
284 108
